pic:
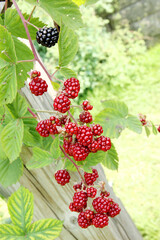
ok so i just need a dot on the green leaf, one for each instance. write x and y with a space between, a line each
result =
31 137
111 160
1 21
68 45
9 232
87 169
20 206
133 123
89 2
55 85
68 73
64 10
117 105
8 84
55 149
39 159
15 26
79 2
147 130
2 153
18 107
45 229
94 158
11 139
7 49
3 63
10 172
22 68
154 129
112 121
68 165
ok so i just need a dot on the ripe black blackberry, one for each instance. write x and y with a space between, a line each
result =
47 37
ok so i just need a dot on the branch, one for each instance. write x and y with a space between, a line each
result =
6 5
33 114
69 113
32 24
32 60
31 13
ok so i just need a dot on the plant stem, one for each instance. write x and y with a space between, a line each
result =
31 13
27 117
33 114
76 166
54 72
69 113
45 111
32 25
6 5
32 60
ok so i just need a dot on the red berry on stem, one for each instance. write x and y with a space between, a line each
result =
80 152
97 130
71 128
86 106
85 117
102 205
114 210
80 199
90 178
104 194
104 143
35 73
72 87
75 209
94 146
158 129
77 186
83 221
64 119
62 177
85 135
100 220
91 192
89 214
38 86
61 103
42 128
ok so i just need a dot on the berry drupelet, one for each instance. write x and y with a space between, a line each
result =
47 37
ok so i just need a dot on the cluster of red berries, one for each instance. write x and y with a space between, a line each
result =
103 207
37 86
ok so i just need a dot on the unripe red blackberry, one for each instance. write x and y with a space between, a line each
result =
71 87
89 214
85 117
34 74
52 125
85 135
158 129
97 130
86 106
80 199
104 194
71 128
80 152
94 146
42 128
38 86
104 143
66 146
75 209
64 119
114 210
62 177
77 186
90 178
102 205
61 103
83 221
47 37
91 192
100 220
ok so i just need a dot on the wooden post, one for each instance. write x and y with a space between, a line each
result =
52 200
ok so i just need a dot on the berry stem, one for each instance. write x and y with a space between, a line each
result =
76 166
6 5
32 60
69 113
54 72
31 13
31 24
78 106
33 114
27 117
47 111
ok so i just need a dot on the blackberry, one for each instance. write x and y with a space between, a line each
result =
62 177
47 37
38 86
102 205
90 178
86 105
85 117
91 192
104 143
100 220
83 221
61 103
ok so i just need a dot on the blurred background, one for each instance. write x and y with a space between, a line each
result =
119 58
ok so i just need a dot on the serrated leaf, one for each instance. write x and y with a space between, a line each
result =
112 122
154 129
45 229
9 232
67 45
2 153
56 86
94 158
8 84
7 49
67 73
14 23
147 130
39 159
133 123
117 105
18 107
3 63
87 169
11 139
46 143
20 206
111 159
55 149
10 172
79 2
64 10
31 137
69 166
